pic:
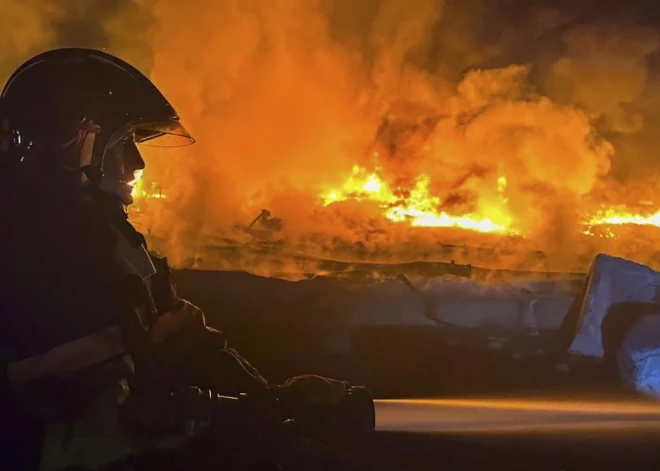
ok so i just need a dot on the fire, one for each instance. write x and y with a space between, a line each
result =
600 224
612 216
139 190
137 184
418 206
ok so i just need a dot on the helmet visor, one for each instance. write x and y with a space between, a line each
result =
169 133
163 134
121 159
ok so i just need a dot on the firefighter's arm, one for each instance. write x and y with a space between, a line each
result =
185 319
177 315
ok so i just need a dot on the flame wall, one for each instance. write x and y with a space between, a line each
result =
285 97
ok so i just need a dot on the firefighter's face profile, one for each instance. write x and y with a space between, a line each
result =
119 166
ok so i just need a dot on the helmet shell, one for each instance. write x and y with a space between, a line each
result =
47 99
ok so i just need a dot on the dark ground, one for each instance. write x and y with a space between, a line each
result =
522 451
413 362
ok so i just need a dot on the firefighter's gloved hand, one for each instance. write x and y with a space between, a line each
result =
186 318
181 318
315 390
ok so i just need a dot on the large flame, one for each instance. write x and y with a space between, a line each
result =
361 126
615 216
417 205
504 117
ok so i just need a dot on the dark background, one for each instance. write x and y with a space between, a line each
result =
281 327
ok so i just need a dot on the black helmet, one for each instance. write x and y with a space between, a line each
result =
55 101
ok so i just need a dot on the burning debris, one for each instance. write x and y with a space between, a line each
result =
418 207
399 127
621 216
266 222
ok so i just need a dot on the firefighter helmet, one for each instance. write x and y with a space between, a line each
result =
77 108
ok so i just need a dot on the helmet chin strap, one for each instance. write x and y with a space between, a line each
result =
118 189
134 260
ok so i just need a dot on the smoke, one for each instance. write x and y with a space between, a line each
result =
26 28
285 97
604 71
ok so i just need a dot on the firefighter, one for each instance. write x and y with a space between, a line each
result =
87 313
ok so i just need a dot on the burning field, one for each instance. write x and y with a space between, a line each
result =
516 134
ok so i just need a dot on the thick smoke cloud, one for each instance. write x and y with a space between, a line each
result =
604 70
295 93
285 97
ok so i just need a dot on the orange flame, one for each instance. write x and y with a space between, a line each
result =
612 216
419 207
136 183
139 190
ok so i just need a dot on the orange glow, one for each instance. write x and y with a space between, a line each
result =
394 130
418 206
137 184
612 216
139 191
